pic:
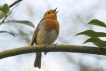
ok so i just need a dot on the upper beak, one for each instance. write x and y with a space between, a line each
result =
55 10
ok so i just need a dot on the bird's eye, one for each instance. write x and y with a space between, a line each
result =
48 12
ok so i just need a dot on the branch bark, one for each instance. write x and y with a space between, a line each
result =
52 48
14 3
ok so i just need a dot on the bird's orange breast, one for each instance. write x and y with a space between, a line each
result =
52 24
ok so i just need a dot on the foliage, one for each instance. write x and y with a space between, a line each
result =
94 36
4 13
4 8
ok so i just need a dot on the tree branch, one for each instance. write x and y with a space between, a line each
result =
5 17
14 3
52 48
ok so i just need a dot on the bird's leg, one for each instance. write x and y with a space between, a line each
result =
45 47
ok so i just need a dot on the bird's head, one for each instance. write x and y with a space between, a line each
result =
51 14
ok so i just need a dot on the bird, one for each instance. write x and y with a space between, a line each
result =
46 32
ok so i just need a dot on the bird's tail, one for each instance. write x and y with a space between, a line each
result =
37 62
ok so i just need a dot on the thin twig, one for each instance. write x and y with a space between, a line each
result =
7 15
14 3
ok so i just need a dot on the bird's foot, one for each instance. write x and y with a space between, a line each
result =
55 45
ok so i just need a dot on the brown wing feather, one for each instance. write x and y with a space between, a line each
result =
36 31
34 38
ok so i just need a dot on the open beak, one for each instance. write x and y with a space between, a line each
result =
55 10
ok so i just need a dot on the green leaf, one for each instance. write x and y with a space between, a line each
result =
7 32
92 33
97 23
1 8
96 41
5 8
2 15
22 22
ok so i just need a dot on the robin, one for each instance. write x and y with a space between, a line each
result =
46 32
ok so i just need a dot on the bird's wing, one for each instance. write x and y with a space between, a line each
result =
36 31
